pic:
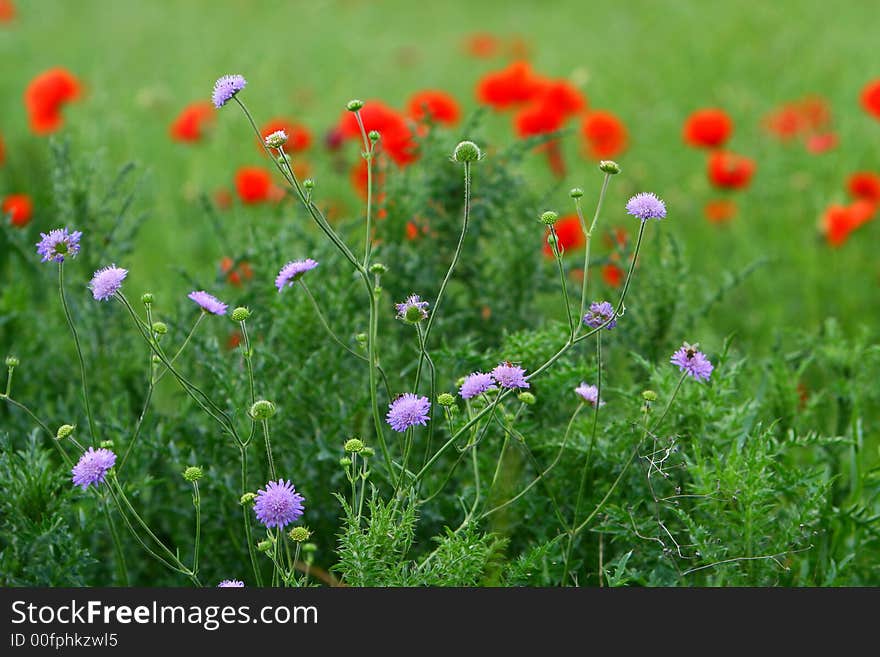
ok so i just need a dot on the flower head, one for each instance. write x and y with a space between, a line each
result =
278 504
508 375
58 243
646 206
600 312
190 124
407 411
208 302
707 128
871 98
19 208
476 384
230 584
253 184
293 271
225 88
730 171
413 310
435 106
276 139
693 362
107 281
589 394
298 137
92 467
605 135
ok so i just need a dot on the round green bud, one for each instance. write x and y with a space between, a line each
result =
160 328
467 151
354 105
106 444
193 473
549 218
283 159
378 268
446 399
526 398
309 548
609 166
345 461
460 382
156 359
240 314
308 183
367 452
265 545
262 409
576 192
649 395
299 534
354 445
12 361
374 136
64 431
247 498
552 239
147 298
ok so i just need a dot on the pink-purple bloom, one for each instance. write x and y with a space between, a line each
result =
413 310
508 375
278 504
208 302
589 394
407 411
225 88
600 312
92 467
293 271
646 206
107 281
476 384
58 244
693 362
230 584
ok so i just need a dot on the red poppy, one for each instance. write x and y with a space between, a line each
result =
44 97
7 11
412 231
862 211
612 275
814 112
511 86
436 106
707 128
396 135
729 170
568 230
298 136
820 143
190 123
235 275
481 45
605 134
841 220
537 119
720 211
253 185
565 97
798 118
865 185
19 208
871 98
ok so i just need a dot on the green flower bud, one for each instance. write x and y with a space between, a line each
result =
552 239
378 268
649 396
308 183
576 192
106 444
160 328
345 461
549 218
354 105
609 166
247 498
265 545
374 136
262 409
366 452
446 399
240 314
147 298
283 159
65 430
526 398
299 534
12 361
193 473
361 338
309 548
467 151
156 359
354 445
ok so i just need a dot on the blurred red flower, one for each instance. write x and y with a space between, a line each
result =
839 221
253 185
481 45
7 11
729 170
871 98
19 208
798 118
234 340
820 143
568 230
298 136
565 97
433 105
396 136
190 123
707 128
537 119
605 134
720 211
235 275
612 275
865 185
514 85
45 96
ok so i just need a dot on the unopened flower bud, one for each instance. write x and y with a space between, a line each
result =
147 298
354 445
378 268
345 461
262 409
160 328
240 314
374 136
526 398
354 105
299 534
576 192
309 548
193 473
446 399
609 166
549 218
265 545
12 361
467 151
247 498
649 395
308 183
552 240
106 444
367 452
64 431
277 139
156 360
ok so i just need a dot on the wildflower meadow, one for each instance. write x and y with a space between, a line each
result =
343 295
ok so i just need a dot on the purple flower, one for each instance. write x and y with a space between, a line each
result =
278 504
92 467
58 243
589 394
646 206
293 271
413 310
230 584
692 362
600 312
107 281
407 411
225 88
509 375
208 303
476 384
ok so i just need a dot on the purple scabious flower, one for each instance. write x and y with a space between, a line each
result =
57 244
509 375
646 206
278 504
589 394
293 271
476 384
230 584
92 467
107 281
407 411
600 312
692 362
208 302
413 310
225 88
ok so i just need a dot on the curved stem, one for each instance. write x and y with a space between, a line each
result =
558 257
247 521
42 425
272 474
183 346
368 156
589 236
326 324
79 354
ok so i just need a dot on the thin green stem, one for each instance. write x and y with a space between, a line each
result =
558 257
42 425
82 364
198 321
247 520
271 460
117 544
197 503
368 156
588 239
671 399
326 324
